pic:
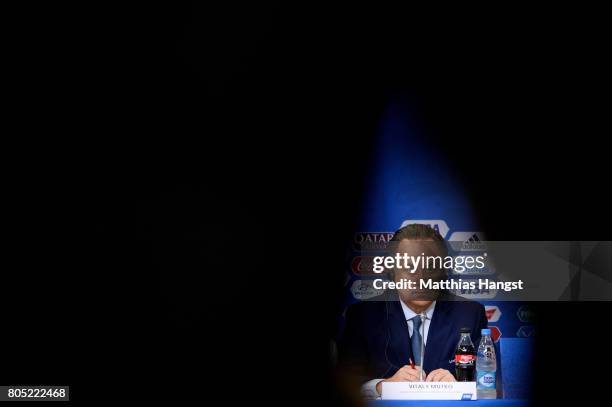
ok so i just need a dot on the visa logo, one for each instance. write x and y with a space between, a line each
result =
476 293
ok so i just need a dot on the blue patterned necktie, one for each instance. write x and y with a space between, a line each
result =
415 339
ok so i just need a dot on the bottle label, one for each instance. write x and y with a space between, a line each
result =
485 380
465 359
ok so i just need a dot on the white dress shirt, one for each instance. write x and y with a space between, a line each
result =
368 389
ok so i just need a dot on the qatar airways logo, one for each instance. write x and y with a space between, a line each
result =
371 241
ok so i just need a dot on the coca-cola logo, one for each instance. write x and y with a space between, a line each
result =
465 359
363 265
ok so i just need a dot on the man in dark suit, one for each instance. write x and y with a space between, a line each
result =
383 337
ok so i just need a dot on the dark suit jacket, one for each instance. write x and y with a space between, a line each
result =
376 342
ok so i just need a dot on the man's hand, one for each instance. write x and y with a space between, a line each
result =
405 374
440 375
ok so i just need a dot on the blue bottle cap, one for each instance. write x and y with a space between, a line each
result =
486 331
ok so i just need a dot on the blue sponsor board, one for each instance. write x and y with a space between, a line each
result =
409 182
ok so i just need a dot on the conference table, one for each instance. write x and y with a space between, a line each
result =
450 403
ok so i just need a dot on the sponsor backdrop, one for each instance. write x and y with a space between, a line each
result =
410 182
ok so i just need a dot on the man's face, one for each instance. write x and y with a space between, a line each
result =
417 248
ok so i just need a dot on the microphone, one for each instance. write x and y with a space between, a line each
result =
423 318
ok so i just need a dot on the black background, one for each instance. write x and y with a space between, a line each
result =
214 134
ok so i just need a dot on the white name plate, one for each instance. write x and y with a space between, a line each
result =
428 391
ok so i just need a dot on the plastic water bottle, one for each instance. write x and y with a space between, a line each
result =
486 366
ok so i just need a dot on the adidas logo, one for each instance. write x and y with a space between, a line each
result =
473 239
468 241
473 243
